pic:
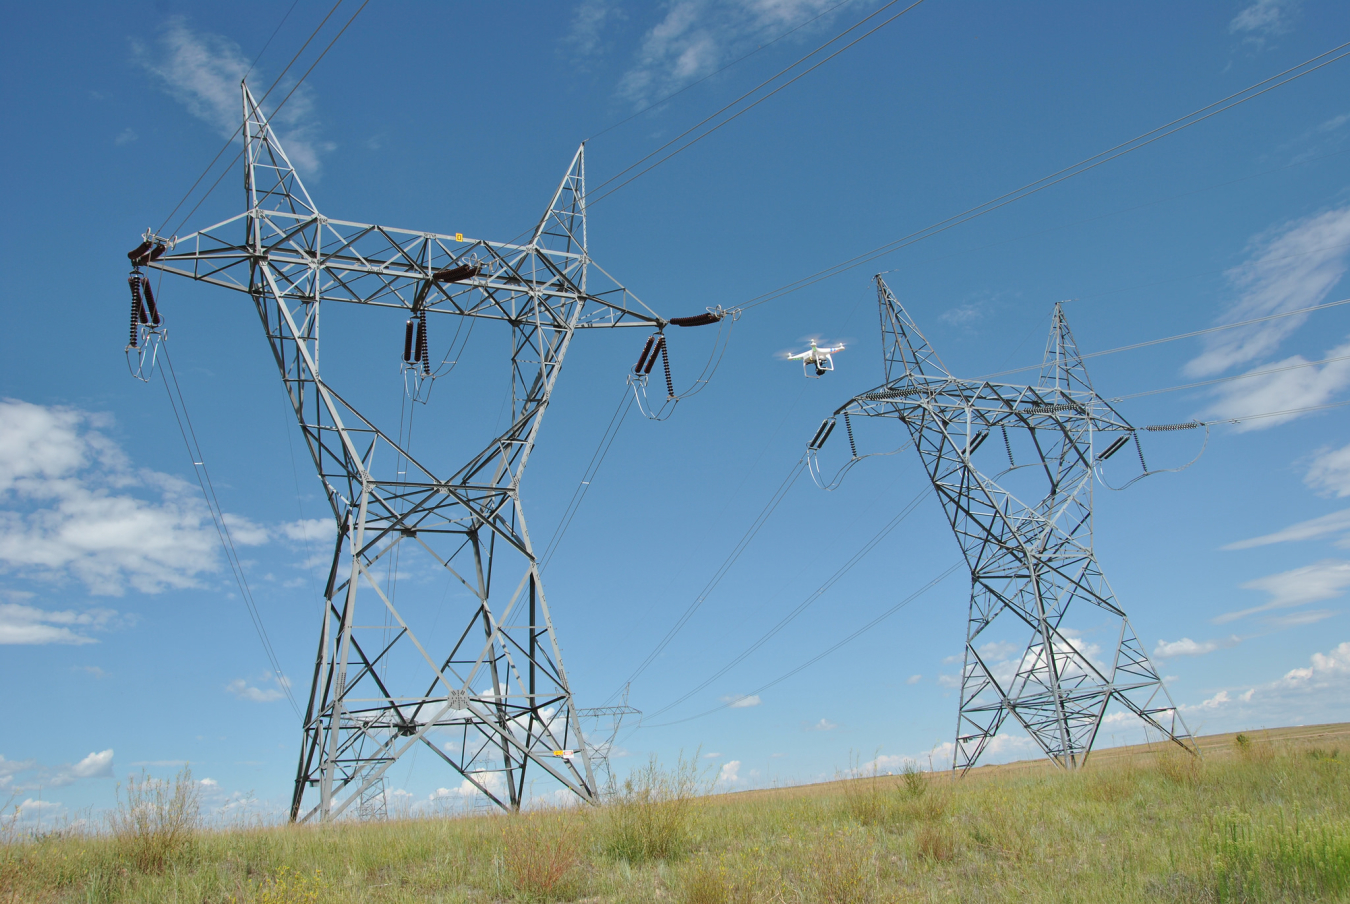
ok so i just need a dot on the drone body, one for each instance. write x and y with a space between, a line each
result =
817 361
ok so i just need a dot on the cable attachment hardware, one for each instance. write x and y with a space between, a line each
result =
146 327
656 347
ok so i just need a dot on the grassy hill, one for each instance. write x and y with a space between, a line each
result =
1261 817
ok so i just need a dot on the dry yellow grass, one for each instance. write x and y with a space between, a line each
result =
1266 819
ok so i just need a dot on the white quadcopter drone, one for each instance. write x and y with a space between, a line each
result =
821 360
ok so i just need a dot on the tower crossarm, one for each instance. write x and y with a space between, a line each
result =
317 259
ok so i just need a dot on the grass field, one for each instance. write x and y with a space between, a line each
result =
1262 817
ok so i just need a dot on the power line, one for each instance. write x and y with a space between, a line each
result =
819 656
1192 334
656 103
1082 166
592 468
177 402
722 570
239 128
759 101
275 109
806 603
1254 373
268 44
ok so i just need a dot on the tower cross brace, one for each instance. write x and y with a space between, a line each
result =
1036 586
378 691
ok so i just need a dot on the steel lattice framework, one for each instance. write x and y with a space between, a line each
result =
1036 587
501 691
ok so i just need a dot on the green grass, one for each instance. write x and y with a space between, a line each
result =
1254 821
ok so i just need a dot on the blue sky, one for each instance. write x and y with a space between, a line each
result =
123 644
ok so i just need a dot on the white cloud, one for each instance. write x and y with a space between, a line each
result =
1329 473
245 691
949 681
730 773
1312 693
589 20
1289 267
1212 703
1263 19
999 649
1300 387
741 702
66 510
711 755
202 71
22 624
209 783
126 136
1298 619
1319 581
823 725
94 765
697 37
1187 647
309 530
1304 530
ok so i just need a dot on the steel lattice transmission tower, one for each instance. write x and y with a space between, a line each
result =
378 690
1026 533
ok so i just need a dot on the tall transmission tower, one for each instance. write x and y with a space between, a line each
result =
1046 641
497 700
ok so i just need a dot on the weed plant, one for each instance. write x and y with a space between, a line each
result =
1256 823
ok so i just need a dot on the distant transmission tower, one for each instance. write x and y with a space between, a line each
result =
603 724
493 698
1026 532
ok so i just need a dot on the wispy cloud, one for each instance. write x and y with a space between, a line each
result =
245 691
1329 473
29 625
67 510
696 37
741 702
590 19
203 71
1302 386
822 725
1187 647
1312 583
1264 19
1304 530
1290 267
35 775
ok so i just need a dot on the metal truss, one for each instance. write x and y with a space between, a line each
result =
498 700
603 724
1046 642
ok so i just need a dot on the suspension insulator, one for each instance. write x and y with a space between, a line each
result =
1114 447
134 281
1140 449
408 341
660 347
848 428
826 428
150 302
696 320
642 358
665 361
1007 444
423 354
140 253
